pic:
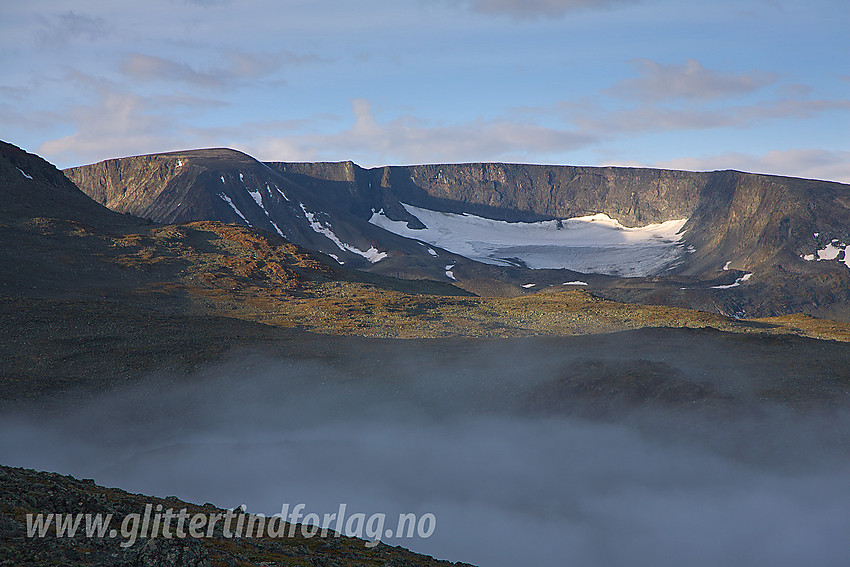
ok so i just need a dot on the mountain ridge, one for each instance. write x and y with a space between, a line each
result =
738 223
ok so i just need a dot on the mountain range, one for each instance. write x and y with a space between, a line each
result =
734 243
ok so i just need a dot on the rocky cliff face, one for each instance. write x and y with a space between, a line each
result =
514 192
746 218
791 233
172 187
226 185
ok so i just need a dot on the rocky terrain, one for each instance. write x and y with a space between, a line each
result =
25 492
789 234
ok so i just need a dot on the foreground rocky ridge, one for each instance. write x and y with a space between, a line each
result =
24 492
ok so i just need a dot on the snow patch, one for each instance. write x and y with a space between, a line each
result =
449 272
432 252
738 282
372 254
24 173
277 228
577 282
227 200
179 163
269 191
282 194
258 198
831 252
593 243
335 257
222 179
241 178
726 265
528 285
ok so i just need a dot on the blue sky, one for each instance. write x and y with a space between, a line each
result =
757 85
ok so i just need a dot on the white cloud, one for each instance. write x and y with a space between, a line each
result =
123 123
120 125
689 81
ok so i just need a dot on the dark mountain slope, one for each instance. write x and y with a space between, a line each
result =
31 187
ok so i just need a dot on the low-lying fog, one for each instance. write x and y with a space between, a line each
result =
456 438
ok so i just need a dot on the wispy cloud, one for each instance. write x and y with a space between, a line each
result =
207 3
122 123
119 122
527 9
809 163
651 118
408 139
238 66
687 81
70 26
142 67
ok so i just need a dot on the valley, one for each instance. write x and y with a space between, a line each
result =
206 326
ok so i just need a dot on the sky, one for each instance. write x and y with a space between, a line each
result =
753 85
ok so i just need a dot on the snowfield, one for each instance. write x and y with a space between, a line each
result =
590 244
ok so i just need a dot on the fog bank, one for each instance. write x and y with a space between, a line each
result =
509 484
